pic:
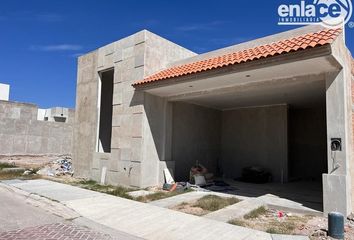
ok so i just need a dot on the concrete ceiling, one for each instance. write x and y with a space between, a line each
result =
299 92
298 83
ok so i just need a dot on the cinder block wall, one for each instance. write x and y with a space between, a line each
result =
21 133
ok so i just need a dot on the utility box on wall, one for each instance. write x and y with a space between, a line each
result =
4 92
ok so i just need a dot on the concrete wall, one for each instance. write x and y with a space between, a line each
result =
255 137
136 158
307 143
196 137
227 141
4 92
157 115
337 183
21 132
86 115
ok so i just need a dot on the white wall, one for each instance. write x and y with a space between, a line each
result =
41 114
4 92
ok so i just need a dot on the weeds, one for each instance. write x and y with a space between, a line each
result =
238 222
213 203
276 227
118 191
157 196
255 213
265 220
6 165
17 175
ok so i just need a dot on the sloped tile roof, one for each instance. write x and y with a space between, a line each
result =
309 40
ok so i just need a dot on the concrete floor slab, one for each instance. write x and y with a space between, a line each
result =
288 205
308 193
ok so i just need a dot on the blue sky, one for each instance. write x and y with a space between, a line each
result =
40 39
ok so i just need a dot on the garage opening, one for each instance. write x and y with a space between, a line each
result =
279 129
227 141
105 111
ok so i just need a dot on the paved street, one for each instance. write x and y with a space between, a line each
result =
54 231
16 213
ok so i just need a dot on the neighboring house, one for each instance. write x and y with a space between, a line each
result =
56 114
4 92
282 102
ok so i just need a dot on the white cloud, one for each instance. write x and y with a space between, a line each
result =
59 47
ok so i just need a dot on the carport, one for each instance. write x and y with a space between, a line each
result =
277 106
272 117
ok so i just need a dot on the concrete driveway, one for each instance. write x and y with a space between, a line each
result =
139 219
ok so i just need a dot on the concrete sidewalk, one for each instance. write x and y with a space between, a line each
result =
30 216
138 219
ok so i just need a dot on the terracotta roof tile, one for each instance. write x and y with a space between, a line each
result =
309 40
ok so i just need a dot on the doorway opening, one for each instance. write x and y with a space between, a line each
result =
105 111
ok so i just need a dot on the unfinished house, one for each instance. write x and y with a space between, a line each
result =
282 102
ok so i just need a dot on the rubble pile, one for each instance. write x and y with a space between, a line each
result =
58 167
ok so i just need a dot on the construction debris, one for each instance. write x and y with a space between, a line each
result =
58 167
200 176
30 171
168 177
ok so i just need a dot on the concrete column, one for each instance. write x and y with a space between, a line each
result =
157 142
85 115
336 183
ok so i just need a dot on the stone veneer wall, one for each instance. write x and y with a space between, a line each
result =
137 147
22 134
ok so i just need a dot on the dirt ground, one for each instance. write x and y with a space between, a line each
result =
189 208
29 161
280 222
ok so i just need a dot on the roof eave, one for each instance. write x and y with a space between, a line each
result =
319 51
